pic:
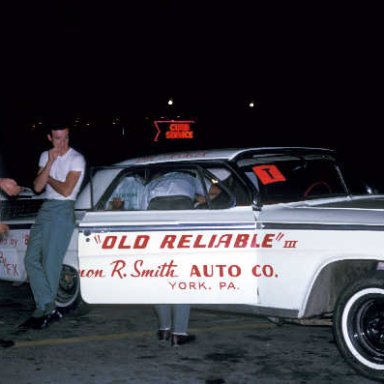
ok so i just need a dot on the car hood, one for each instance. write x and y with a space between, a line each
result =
350 211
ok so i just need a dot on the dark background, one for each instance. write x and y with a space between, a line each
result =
313 71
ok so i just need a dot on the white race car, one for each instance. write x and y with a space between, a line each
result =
283 233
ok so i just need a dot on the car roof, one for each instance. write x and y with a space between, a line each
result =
220 154
83 200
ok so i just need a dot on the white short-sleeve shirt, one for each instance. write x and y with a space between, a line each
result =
71 161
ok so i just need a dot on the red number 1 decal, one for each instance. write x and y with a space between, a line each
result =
268 173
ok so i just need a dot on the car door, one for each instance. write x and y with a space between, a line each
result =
302 236
203 254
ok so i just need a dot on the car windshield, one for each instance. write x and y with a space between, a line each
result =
286 178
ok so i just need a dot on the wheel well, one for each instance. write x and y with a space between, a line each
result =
331 281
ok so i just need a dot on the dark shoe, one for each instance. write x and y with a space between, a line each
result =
41 322
6 343
182 339
34 323
55 315
163 334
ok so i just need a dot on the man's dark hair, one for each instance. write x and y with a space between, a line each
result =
57 127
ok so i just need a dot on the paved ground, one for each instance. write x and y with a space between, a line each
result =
117 344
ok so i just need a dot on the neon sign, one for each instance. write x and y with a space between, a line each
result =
174 129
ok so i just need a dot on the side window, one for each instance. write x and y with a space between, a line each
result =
174 187
127 195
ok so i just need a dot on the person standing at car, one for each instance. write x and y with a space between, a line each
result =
172 184
11 188
61 171
173 319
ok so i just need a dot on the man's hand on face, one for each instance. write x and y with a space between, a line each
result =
59 139
10 187
54 153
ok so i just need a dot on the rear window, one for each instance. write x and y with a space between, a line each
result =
290 178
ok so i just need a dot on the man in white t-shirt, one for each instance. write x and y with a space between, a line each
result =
61 171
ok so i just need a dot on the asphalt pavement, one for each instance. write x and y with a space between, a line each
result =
114 344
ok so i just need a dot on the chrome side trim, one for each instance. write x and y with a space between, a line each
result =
252 309
322 227
167 227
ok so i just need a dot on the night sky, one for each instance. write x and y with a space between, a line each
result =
314 72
